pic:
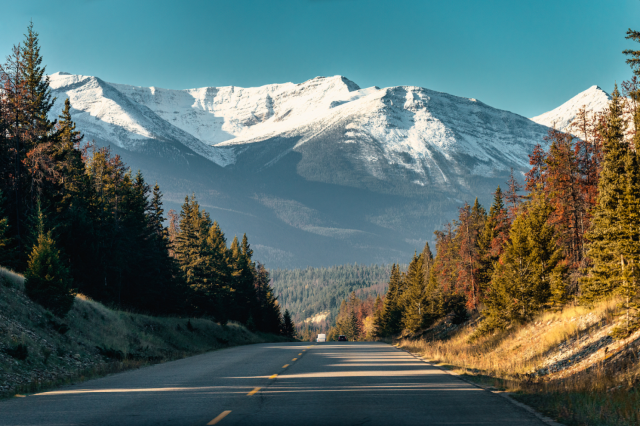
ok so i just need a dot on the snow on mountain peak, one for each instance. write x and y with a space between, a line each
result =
594 99
420 130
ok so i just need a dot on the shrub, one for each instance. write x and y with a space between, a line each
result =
110 353
18 351
47 280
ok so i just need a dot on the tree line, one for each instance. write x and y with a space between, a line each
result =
572 234
74 218
311 291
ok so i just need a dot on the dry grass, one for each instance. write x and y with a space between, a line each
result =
519 350
594 392
8 278
60 351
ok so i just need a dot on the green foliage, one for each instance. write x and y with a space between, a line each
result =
491 239
47 279
310 291
606 232
414 299
347 321
288 329
391 317
521 284
634 55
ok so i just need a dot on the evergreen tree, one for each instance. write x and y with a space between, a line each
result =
427 262
492 239
288 329
415 298
469 226
193 256
67 157
628 213
391 318
243 278
634 55
523 279
27 135
47 279
269 317
604 235
220 273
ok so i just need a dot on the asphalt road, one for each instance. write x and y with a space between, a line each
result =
274 384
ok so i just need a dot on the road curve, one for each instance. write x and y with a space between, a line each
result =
273 384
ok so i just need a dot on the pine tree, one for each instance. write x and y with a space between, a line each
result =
268 317
414 299
628 213
604 235
492 239
523 278
512 197
38 129
634 55
220 274
47 279
427 262
391 318
469 226
288 329
67 156
243 278
193 256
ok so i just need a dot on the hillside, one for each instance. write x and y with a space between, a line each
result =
318 173
38 350
565 364
316 293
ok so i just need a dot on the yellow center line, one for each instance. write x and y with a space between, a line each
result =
295 359
285 366
220 417
273 377
300 354
253 392
19 396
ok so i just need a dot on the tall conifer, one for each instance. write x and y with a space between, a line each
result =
604 235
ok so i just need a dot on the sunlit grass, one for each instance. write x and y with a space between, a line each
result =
71 354
9 278
602 395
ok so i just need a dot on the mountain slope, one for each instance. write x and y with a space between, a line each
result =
594 99
317 173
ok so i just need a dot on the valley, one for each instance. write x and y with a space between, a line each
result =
318 173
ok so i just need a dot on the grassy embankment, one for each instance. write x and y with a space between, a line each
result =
39 351
564 364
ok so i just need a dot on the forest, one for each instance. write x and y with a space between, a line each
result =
75 219
569 234
310 291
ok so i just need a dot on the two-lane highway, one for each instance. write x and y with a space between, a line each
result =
274 384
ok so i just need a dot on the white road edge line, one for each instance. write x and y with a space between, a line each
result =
547 420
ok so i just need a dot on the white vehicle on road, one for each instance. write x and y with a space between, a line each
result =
321 338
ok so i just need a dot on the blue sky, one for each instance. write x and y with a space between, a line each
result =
524 56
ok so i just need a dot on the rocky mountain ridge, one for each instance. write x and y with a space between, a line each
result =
316 173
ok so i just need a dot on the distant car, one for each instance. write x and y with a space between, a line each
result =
342 339
321 338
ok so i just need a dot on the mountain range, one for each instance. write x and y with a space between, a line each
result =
318 173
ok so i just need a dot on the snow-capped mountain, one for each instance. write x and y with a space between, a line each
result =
316 173
594 99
